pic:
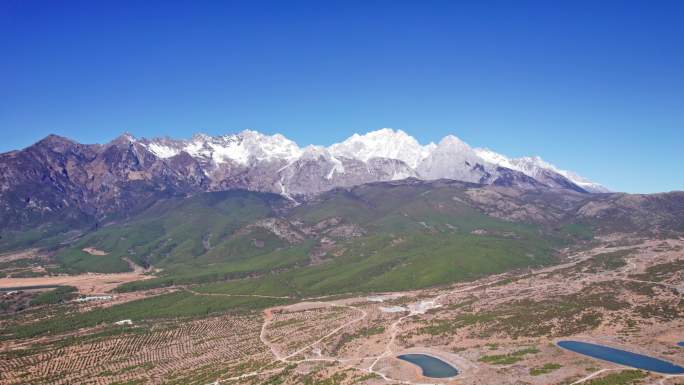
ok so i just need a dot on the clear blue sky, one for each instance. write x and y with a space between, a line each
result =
596 87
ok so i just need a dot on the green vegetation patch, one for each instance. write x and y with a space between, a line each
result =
58 295
625 377
180 304
438 327
413 237
578 230
660 272
510 358
605 261
545 369
195 231
47 233
74 261
380 263
559 316
129 382
361 333
562 316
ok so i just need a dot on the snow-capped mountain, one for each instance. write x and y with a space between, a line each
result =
57 175
385 154
539 169
243 148
383 143
453 159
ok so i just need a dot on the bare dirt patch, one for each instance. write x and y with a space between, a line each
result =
24 254
94 251
89 283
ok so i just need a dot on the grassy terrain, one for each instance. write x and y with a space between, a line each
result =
43 235
625 377
193 231
559 316
73 261
411 236
605 261
414 238
579 230
60 294
421 261
438 327
174 305
508 359
545 369
660 272
366 332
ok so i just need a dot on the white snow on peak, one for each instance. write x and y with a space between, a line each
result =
163 151
269 147
247 146
383 143
452 142
534 165
450 158
315 153
494 158
241 148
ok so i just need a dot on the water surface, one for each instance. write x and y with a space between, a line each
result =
622 357
432 367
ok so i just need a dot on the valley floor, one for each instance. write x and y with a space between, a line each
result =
624 293
87 283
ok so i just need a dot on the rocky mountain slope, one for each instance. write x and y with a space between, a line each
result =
57 178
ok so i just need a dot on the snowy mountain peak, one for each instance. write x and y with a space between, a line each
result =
535 167
242 148
451 158
200 136
383 143
268 147
312 152
453 142
494 158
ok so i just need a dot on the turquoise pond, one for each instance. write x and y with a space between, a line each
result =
432 367
622 357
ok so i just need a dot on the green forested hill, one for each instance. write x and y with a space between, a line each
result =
370 238
374 237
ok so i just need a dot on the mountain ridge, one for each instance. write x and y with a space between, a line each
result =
383 143
60 179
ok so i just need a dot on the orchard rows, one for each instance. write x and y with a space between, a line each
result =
152 355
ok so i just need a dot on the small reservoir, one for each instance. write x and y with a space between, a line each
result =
622 357
432 367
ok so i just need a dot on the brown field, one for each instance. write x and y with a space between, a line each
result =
90 283
152 352
94 251
24 254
